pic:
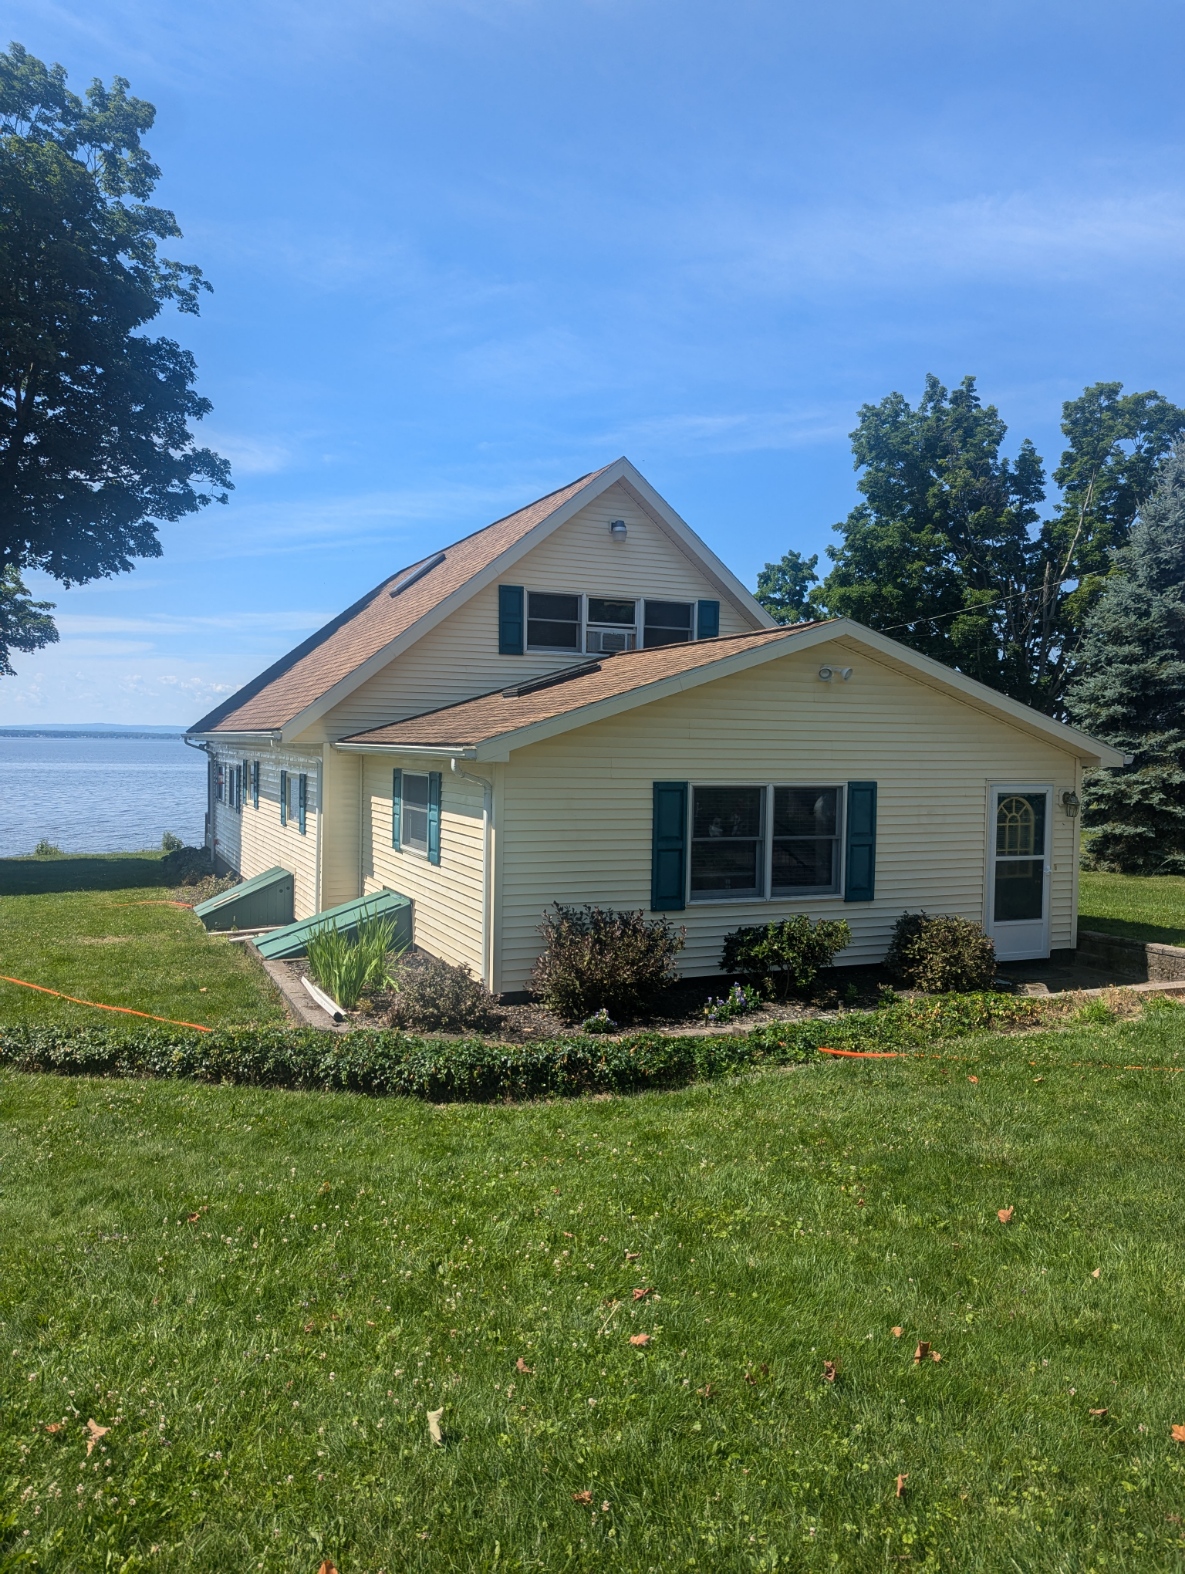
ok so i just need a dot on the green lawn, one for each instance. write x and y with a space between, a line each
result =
1142 907
265 1368
102 929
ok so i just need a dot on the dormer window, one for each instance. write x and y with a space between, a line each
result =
553 622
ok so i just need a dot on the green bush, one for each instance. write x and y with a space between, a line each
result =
389 1063
739 1001
47 849
432 994
596 959
187 866
784 957
170 843
350 966
941 955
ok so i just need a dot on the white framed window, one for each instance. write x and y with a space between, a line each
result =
413 832
765 842
610 625
554 621
668 623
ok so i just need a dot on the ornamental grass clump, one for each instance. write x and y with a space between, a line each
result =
944 955
785 957
596 959
348 967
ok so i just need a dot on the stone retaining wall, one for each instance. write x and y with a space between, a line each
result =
1137 958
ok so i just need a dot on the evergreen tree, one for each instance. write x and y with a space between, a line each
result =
1130 690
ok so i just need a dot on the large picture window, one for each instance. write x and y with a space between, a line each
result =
727 856
805 840
553 622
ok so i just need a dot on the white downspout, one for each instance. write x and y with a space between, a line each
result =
487 873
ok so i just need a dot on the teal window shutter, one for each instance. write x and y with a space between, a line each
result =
860 864
707 620
510 620
283 797
255 784
396 806
668 848
303 802
433 817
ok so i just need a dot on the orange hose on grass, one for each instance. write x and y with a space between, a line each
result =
99 1006
156 901
861 1054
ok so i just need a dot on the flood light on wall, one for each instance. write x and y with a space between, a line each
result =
1070 803
617 529
827 673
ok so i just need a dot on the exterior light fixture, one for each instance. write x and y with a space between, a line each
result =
1070 803
827 673
617 529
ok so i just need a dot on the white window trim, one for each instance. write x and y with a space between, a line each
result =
554 650
767 895
639 623
403 847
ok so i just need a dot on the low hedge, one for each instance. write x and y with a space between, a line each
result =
384 1064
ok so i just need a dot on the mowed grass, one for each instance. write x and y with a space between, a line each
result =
1141 907
103 929
265 1369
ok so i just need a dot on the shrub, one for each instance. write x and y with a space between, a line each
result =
599 1022
739 1000
784 957
46 849
187 865
432 994
169 843
941 955
348 966
595 959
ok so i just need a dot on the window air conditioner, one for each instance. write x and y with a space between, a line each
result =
606 641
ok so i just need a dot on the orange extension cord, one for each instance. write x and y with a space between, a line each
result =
98 1005
862 1054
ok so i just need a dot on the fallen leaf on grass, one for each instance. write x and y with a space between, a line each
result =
521 1366
1101 1412
896 1332
1179 1434
192 1218
310 1328
632 1256
751 1380
934 1355
96 1432
582 1497
901 1480
54 1426
1095 1272
328 1567
639 1338
830 1371
568 1236
640 1295
972 1079
434 1431
706 1391
1004 1215
920 1354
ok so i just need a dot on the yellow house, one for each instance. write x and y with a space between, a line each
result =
580 703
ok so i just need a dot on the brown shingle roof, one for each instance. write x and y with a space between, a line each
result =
494 715
278 695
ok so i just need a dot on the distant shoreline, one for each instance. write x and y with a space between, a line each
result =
100 730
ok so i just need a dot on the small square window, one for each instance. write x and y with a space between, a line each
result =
667 623
553 622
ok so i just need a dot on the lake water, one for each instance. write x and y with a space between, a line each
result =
99 794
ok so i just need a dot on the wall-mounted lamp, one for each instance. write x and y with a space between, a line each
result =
827 673
617 529
1071 804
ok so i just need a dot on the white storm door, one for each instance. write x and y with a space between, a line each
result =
1019 838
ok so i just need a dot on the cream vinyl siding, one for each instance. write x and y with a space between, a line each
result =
252 840
459 658
447 915
575 811
341 868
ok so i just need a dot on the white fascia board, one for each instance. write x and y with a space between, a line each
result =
272 735
661 511
463 593
444 751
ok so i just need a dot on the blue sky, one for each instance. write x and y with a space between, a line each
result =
464 250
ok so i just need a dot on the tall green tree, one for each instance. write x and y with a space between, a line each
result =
1130 689
949 551
784 587
96 443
